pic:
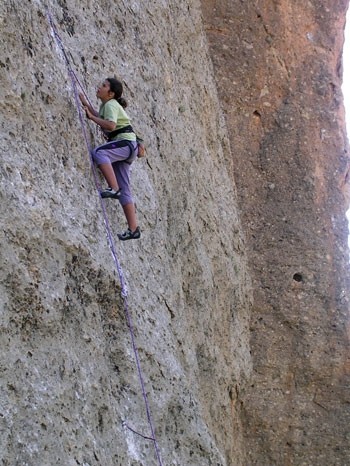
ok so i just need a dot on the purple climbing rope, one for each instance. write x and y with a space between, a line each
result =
124 292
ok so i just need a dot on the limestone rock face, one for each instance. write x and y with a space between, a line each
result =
238 288
278 72
69 382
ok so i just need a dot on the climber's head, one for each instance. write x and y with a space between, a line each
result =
117 87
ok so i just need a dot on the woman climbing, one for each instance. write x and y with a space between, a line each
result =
115 157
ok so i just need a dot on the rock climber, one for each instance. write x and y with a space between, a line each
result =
115 157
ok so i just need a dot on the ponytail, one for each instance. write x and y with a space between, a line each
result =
122 102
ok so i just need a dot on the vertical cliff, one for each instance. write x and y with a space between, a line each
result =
69 382
278 70
238 288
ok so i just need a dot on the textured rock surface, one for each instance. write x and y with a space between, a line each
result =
278 71
247 166
68 376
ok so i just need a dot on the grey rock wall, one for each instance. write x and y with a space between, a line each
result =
238 290
69 383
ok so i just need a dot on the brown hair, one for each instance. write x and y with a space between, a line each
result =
117 87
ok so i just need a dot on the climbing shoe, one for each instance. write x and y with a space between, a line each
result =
110 192
128 234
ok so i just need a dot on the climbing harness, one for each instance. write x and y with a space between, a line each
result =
120 143
124 292
125 129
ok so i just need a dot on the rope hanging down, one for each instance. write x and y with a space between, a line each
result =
124 293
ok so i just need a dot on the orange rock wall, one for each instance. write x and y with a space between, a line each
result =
278 69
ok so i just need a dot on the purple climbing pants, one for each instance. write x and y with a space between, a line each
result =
119 154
